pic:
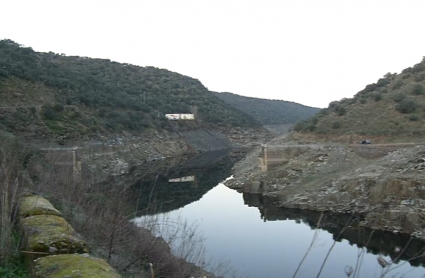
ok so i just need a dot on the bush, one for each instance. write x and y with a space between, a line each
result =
377 96
398 84
399 97
413 117
406 106
336 125
49 113
420 77
333 104
418 89
340 110
58 107
363 100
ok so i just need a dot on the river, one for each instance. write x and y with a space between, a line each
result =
241 235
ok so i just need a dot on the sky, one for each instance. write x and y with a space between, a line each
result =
306 51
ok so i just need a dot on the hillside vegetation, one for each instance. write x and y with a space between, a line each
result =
394 106
267 111
73 96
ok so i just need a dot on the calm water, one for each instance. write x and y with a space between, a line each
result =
258 241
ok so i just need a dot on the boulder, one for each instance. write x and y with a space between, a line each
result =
73 265
36 205
50 234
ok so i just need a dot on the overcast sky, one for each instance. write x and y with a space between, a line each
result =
311 52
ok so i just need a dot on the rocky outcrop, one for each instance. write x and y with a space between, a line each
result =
384 183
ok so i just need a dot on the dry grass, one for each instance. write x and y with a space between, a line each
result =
10 185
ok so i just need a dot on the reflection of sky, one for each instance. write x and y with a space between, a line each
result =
235 232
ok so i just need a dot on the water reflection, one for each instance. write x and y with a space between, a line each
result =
347 227
262 241
180 184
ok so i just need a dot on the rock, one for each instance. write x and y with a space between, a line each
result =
407 202
43 232
36 205
73 265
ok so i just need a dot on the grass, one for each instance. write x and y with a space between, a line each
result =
11 264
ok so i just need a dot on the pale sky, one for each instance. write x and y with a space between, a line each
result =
307 51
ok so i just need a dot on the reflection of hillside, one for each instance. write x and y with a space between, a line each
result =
375 242
156 194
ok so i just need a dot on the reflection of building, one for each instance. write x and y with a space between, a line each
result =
192 179
183 179
176 186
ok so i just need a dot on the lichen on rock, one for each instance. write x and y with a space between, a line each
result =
51 234
73 266
36 205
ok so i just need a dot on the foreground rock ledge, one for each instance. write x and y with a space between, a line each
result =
73 265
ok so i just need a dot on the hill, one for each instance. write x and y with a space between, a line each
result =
394 106
269 112
49 93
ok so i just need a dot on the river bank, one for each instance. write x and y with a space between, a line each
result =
88 180
384 183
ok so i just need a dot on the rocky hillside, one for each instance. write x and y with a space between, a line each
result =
394 106
49 94
269 112
383 183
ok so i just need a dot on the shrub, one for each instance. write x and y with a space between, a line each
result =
340 110
413 117
333 104
418 89
398 84
406 106
399 97
336 125
420 77
49 113
363 100
58 107
377 96
300 126
323 112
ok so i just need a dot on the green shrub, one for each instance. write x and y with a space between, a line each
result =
58 107
398 84
340 110
336 125
333 104
418 89
399 97
377 96
413 117
49 113
363 100
406 106
420 77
